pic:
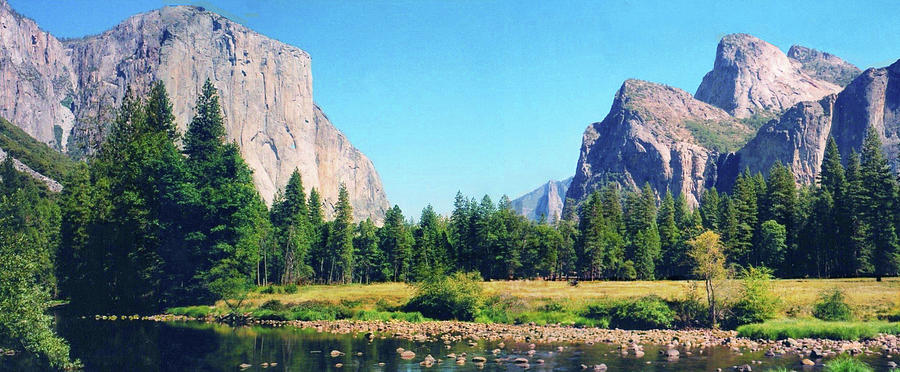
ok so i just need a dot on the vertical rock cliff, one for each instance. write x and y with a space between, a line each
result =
545 201
265 87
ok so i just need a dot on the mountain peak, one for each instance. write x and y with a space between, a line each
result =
752 77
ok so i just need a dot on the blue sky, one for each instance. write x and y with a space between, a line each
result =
492 97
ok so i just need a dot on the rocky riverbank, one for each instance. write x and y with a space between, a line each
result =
674 342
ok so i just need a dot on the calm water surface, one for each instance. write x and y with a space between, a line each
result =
152 346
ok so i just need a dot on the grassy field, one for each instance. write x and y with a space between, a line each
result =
867 297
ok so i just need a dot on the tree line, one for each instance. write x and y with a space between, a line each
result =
157 218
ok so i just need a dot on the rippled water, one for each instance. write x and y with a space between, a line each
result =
153 346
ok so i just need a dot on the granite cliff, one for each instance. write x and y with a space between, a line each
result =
64 93
546 201
752 77
655 134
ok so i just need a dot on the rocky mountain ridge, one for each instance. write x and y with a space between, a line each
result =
651 136
64 93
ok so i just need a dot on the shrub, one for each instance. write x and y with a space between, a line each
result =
690 311
290 288
457 296
272 305
648 312
757 303
847 364
831 306
270 289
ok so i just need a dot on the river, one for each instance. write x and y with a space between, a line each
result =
194 346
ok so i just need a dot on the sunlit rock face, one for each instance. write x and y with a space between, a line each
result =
265 88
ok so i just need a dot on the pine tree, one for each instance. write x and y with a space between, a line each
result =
369 257
640 223
669 236
880 186
740 242
341 237
590 248
232 218
780 205
396 242
859 247
431 245
710 209
293 232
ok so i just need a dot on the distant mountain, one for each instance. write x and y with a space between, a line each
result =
674 141
545 201
64 93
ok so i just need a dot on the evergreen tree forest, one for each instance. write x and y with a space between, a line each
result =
157 218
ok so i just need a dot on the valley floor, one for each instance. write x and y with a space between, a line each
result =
868 298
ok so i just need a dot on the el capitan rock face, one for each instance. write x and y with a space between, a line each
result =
545 201
649 137
265 88
36 77
752 77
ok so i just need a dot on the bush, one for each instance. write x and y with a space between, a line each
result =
290 288
272 305
832 307
649 312
847 364
757 303
457 296
782 329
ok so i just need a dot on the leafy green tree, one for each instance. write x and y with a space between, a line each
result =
772 245
707 253
24 299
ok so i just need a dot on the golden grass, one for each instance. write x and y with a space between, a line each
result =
866 296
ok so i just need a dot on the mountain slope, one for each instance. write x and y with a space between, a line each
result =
265 87
545 201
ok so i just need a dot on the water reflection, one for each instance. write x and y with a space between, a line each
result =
151 346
